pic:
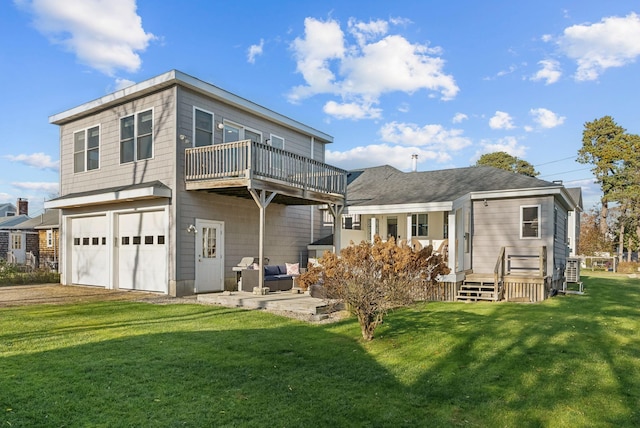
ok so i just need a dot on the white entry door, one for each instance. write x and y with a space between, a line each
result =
209 256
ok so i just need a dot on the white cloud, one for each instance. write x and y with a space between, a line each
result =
546 118
549 71
612 42
123 83
384 154
364 31
507 144
372 64
459 117
354 111
501 120
37 186
105 35
323 41
432 136
37 160
254 51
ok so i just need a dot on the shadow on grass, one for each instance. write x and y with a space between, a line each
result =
560 363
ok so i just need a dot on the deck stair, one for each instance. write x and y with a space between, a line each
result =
477 287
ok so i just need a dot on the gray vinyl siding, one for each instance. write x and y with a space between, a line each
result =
111 173
287 230
295 141
498 224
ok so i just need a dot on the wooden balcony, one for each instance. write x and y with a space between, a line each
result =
234 168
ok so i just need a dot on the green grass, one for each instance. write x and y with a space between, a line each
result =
569 361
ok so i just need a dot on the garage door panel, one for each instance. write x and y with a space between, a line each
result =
89 253
142 251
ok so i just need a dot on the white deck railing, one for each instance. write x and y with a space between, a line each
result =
249 159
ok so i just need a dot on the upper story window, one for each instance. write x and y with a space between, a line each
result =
530 221
86 149
234 132
202 128
136 137
277 142
420 225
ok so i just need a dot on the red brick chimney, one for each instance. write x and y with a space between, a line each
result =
23 206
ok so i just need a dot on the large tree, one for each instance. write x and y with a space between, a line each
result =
504 160
607 146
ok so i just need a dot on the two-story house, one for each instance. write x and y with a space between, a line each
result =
167 184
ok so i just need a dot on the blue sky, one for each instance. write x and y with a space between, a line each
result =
446 80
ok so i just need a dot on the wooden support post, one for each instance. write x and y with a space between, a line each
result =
261 198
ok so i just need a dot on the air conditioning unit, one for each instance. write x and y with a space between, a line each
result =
572 271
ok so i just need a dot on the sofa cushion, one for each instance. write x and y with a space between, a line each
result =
282 269
270 270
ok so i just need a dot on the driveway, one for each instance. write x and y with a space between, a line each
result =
22 295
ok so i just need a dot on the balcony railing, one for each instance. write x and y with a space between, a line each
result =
251 160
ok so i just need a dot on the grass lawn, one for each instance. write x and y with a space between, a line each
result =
570 361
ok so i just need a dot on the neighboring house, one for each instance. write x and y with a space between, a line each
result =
41 236
14 242
504 235
167 184
7 210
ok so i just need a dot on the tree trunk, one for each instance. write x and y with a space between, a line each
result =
629 247
621 242
604 212
368 325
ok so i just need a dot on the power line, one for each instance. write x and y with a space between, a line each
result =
564 172
559 160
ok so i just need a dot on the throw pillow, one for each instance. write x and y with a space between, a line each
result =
293 268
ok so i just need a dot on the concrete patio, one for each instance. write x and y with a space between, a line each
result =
279 301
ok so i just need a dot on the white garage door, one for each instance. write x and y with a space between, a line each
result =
89 255
142 255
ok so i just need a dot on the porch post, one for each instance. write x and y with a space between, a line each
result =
261 198
373 229
452 248
409 228
336 211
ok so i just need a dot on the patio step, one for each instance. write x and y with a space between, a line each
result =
279 301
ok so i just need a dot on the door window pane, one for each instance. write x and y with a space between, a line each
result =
253 136
231 133
209 242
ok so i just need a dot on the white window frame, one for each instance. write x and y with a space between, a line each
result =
16 241
86 150
49 238
274 136
414 225
137 136
241 131
195 127
539 221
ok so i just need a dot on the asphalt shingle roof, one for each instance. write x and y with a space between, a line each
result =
385 185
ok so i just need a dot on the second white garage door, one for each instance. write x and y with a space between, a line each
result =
142 254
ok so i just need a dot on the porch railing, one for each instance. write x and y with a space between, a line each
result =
521 260
248 159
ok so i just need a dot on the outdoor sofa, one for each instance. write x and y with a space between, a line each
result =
276 277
